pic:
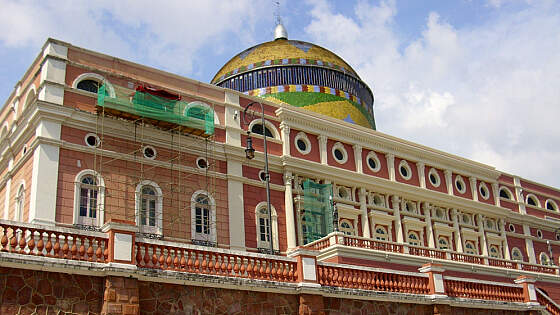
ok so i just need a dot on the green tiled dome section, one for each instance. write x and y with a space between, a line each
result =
326 104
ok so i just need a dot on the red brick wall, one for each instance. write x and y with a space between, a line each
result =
26 291
313 155
383 170
468 193
349 165
413 170
156 298
442 181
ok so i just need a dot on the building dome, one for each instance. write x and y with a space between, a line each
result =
301 74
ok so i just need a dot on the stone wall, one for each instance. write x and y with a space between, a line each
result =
39 292
156 298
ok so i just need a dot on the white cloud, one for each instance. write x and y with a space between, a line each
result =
486 92
167 34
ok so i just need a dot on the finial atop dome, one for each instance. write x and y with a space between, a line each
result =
280 32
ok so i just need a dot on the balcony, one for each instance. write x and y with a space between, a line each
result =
337 243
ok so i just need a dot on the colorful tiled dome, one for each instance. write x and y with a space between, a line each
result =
300 74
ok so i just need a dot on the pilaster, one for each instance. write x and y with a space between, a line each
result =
391 165
232 118
496 193
482 234
236 206
529 292
448 181
395 204
427 207
474 189
358 158
289 209
421 174
285 130
457 231
323 148
502 225
364 216
435 273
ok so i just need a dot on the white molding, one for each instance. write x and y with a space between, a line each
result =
100 217
95 77
372 155
302 136
342 149
268 124
274 225
158 229
212 237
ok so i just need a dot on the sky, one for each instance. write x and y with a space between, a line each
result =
478 79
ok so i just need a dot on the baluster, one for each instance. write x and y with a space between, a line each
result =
139 260
89 250
286 271
66 246
256 269
161 257
4 240
82 250
243 268
196 261
204 263
224 266
40 243
183 261
105 250
155 258
229 266
146 255
169 259
22 243
31 242
49 246
262 270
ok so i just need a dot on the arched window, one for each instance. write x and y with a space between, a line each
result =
29 98
203 218
149 214
532 200
505 193
380 233
545 261
470 248
19 203
443 243
346 227
89 192
91 82
263 226
256 127
413 239
494 251
516 254
551 205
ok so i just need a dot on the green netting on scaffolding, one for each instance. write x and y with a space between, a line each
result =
193 115
317 214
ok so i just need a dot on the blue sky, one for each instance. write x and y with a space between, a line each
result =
473 78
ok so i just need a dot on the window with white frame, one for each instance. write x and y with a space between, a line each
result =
494 251
505 193
516 254
532 200
203 218
443 242
89 193
381 233
470 248
149 199
346 227
413 239
551 205
263 226
545 261
20 199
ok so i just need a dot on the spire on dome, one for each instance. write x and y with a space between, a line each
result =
280 32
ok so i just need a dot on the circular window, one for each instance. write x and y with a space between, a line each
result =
262 176
460 184
342 193
303 145
434 177
91 140
511 228
373 162
149 152
339 153
201 163
539 234
483 189
404 170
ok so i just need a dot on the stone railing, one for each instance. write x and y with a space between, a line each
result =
355 278
484 291
56 242
550 305
337 238
220 262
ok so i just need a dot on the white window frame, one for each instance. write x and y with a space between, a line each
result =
482 187
537 201
100 217
541 255
475 247
350 231
507 191
372 155
265 244
267 124
29 97
417 235
404 164
551 202
95 77
459 179
202 104
19 204
434 172
303 137
445 240
385 233
498 251
516 250
158 229
342 149
212 204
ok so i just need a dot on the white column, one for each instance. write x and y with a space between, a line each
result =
391 165
358 158
519 195
474 189
232 118
289 209
496 193
502 226
285 129
529 244
323 148
53 74
449 181
44 175
457 231
236 206
397 214
363 206
482 234
429 228
421 174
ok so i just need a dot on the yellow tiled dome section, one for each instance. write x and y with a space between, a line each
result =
281 49
337 109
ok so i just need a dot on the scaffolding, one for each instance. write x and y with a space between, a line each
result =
184 162
317 214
